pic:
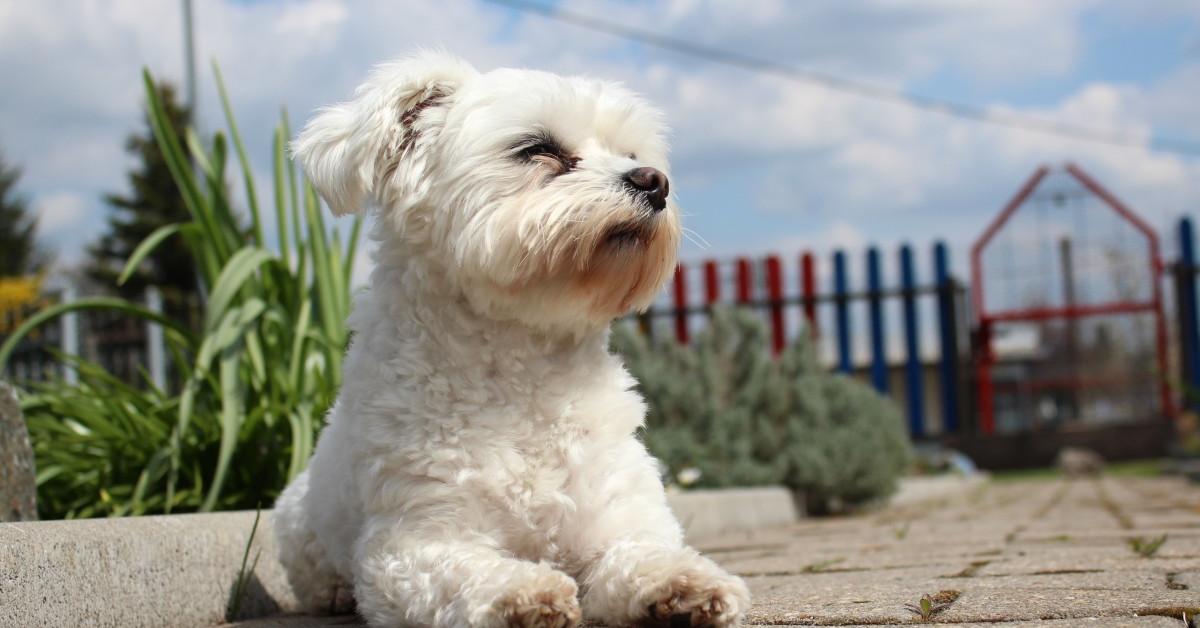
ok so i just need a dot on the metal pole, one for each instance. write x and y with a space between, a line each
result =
189 58
681 304
879 367
914 380
70 336
842 311
1186 303
948 331
155 351
775 295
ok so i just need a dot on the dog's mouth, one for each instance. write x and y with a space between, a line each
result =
628 234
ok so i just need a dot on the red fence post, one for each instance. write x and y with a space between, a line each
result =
743 281
712 283
775 294
808 288
681 311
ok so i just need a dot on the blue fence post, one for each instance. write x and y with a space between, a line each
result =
1185 300
914 390
879 370
841 305
948 332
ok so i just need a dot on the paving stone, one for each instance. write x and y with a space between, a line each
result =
1084 622
981 604
301 621
1097 622
840 597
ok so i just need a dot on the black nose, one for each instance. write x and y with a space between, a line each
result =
651 183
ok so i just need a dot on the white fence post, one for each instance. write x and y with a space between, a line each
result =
70 335
155 350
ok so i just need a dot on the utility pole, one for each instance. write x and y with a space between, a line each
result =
189 59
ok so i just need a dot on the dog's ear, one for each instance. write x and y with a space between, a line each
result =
372 149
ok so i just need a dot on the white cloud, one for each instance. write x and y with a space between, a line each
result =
58 211
791 157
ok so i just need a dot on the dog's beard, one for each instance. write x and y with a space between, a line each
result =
626 265
591 263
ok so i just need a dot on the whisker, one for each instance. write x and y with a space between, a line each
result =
696 238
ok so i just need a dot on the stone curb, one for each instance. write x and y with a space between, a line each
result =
182 570
919 489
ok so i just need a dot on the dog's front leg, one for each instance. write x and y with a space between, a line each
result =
636 568
427 578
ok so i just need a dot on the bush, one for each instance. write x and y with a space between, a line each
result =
725 407
254 380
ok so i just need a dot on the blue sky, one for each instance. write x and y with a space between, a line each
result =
760 164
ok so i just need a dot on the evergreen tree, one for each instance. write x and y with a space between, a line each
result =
18 229
153 201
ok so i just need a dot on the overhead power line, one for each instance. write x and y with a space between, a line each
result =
849 86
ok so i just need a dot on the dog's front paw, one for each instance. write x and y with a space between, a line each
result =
699 595
541 603
656 586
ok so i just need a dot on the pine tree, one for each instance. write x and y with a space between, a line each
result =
153 201
18 229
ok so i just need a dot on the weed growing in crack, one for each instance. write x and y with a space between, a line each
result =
1146 547
239 588
821 566
930 605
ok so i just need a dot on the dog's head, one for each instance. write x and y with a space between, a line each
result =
543 198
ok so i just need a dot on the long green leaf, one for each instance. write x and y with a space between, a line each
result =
90 303
145 248
237 270
247 176
279 159
232 413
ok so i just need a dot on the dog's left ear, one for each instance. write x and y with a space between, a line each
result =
373 149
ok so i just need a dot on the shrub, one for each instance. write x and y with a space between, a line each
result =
724 406
254 380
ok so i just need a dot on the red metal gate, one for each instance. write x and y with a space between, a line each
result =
1067 299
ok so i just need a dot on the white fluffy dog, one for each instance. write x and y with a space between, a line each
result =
480 467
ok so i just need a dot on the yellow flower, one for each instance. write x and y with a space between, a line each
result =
18 296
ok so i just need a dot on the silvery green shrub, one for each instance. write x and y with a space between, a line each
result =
725 407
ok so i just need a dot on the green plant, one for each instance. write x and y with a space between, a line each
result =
1146 547
930 605
726 407
821 566
256 377
243 577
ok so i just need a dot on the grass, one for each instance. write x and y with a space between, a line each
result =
1127 469
253 379
239 588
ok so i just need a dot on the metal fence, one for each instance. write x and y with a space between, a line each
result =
928 377
914 338
124 345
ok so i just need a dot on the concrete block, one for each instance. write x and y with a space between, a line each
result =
176 570
18 489
707 513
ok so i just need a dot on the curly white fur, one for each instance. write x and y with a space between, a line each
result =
480 466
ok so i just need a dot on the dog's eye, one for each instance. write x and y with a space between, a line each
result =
543 148
632 156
